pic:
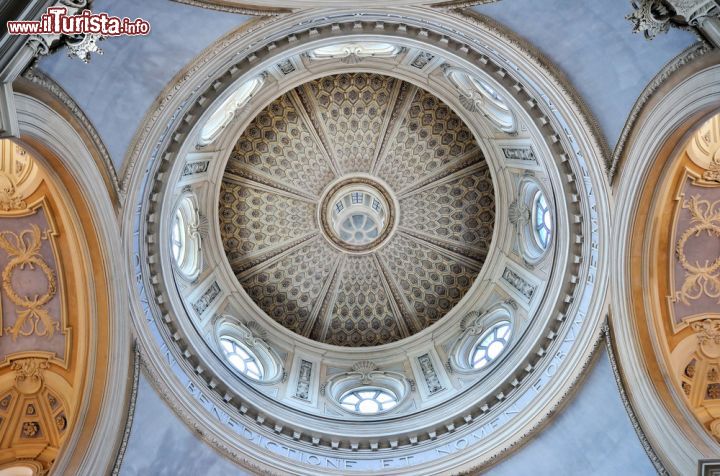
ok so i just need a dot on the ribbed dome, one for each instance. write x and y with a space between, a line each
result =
329 150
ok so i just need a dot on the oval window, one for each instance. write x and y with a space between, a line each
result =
491 344
241 358
368 401
542 220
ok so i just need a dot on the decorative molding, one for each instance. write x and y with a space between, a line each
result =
40 80
653 17
709 467
207 298
23 249
194 168
617 373
232 7
131 411
519 283
689 55
430 374
302 390
581 328
525 153
29 374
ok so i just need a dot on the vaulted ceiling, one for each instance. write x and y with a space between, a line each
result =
329 128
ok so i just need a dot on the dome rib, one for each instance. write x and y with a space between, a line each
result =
287 169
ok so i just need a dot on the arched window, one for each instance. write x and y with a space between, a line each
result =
185 238
17 471
244 348
225 113
242 358
484 338
532 214
491 344
368 401
542 220
477 95
177 237
367 391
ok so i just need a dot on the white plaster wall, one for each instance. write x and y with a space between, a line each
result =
593 45
117 88
162 445
591 435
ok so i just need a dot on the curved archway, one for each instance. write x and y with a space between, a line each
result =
65 364
653 210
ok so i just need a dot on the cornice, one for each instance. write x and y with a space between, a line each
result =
45 83
239 8
131 410
689 55
607 335
564 157
248 8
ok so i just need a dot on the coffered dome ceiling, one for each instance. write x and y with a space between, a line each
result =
356 209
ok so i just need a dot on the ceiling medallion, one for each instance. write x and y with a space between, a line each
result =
358 213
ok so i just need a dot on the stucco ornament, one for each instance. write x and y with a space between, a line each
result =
10 199
700 279
24 248
652 17
29 374
708 336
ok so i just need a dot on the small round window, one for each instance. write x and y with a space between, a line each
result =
491 344
242 358
542 220
368 401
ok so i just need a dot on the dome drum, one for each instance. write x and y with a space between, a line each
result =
255 276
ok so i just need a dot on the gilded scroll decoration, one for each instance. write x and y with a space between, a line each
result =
700 279
29 374
24 250
10 199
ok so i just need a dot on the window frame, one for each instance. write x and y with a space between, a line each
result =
375 389
187 262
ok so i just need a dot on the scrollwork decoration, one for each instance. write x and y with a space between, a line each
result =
700 279
24 251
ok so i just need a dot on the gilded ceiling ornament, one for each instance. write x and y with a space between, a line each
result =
713 171
700 279
30 429
24 250
29 374
708 336
715 428
10 199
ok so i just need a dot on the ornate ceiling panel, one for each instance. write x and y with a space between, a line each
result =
363 313
289 288
267 219
430 282
353 126
350 111
457 214
685 279
280 144
426 136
